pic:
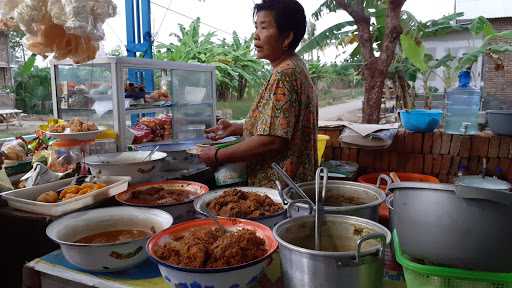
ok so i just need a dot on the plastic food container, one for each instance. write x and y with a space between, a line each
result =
65 154
25 199
321 144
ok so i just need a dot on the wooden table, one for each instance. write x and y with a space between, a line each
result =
6 113
53 271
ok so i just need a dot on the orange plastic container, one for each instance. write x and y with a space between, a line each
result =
404 176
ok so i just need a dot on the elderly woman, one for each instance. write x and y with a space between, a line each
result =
282 124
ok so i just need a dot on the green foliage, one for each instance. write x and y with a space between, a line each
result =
32 88
414 51
481 26
237 68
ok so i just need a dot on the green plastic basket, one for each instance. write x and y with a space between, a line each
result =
427 276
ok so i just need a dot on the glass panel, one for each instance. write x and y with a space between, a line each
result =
146 87
85 91
191 87
193 109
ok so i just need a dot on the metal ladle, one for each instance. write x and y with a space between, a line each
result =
319 198
290 182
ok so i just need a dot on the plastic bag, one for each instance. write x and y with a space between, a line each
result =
7 8
67 28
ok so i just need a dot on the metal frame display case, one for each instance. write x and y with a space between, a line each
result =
97 91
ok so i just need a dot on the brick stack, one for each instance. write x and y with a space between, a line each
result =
437 154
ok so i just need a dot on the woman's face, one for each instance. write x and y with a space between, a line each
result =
268 43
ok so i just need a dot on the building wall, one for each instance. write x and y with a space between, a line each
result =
498 83
455 43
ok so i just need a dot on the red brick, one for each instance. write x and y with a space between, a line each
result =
475 165
333 134
464 165
353 154
366 159
399 141
479 146
465 146
393 161
454 166
345 154
427 166
381 162
428 139
492 164
436 164
437 142
336 153
443 178
417 143
494 147
445 164
409 142
505 146
328 153
455 145
445 144
503 165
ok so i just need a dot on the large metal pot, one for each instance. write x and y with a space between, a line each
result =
127 164
454 225
369 195
351 256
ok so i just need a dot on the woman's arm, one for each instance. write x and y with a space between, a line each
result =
252 148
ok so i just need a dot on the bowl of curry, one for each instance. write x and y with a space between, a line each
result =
260 204
200 253
107 239
173 196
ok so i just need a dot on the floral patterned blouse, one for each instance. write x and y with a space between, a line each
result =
286 107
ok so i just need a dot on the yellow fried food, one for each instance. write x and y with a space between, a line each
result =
48 197
68 196
73 189
85 190
100 186
88 185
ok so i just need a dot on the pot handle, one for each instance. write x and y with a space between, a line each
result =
280 192
389 198
294 202
375 236
470 192
387 179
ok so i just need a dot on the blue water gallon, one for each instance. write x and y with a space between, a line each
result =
463 107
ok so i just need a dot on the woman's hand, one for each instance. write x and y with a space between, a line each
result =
208 156
224 129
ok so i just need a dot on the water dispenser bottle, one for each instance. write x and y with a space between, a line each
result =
463 106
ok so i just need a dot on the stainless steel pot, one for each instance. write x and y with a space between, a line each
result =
454 225
127 164
368 194
351 256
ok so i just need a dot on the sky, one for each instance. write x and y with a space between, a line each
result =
224 16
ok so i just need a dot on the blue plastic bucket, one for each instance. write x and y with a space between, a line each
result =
421 120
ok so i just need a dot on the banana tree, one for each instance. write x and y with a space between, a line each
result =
236 67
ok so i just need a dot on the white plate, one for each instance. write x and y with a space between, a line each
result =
81 136
25 199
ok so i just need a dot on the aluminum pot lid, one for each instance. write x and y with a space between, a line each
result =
483 182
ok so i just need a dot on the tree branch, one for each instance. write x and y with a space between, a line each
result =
362 20
392 32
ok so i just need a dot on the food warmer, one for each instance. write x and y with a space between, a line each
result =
110 92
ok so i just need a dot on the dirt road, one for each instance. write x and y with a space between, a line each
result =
350 111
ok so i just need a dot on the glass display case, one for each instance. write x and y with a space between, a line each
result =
141 100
